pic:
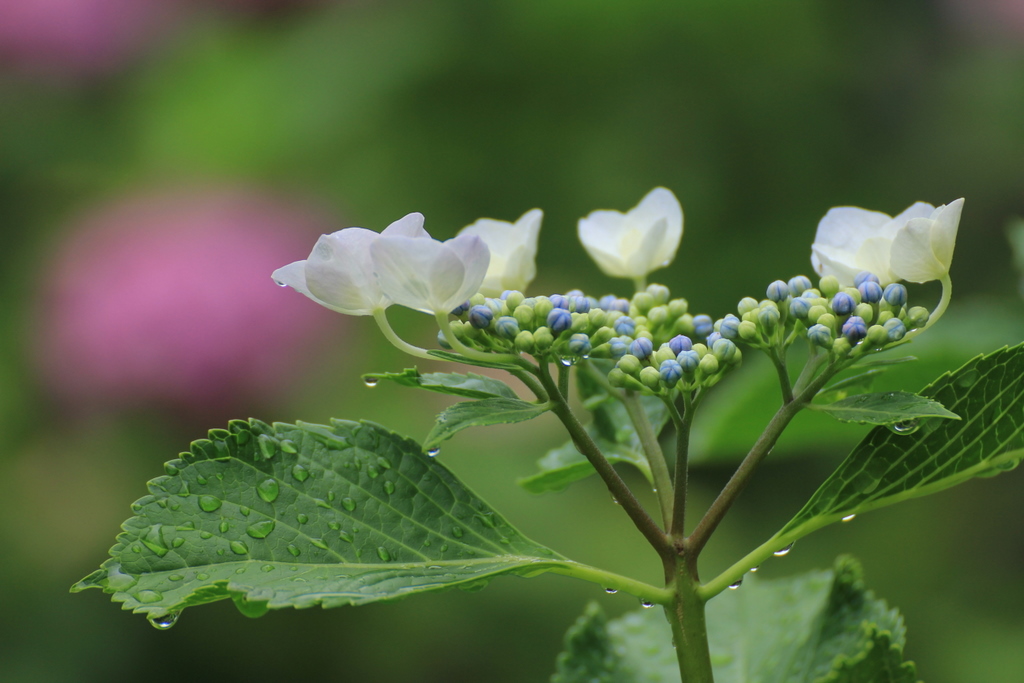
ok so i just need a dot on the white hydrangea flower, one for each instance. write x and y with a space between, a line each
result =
427 274
339 274
632 244
850 240
513 248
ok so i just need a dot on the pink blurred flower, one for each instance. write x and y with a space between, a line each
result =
165 300
988 18
78 37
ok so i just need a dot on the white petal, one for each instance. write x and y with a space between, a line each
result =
659 204
513 249
912 256
339 274
648 254
947 220
846 227
410 225
837 262
475 257
600 233
873 256
293 275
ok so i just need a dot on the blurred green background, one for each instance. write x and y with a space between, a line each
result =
312 116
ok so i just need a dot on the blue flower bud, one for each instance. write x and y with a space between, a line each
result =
494 305
843 304
799 308
799 284
895 295
703 325
574 292
671 372
819 335
724 350
895 328
480 317
870 291
559 320
579 345
811 294
713 337
680 343
625 326
641 348
854 329
621 305
579 304
606 302
768 318
559 301
864 276
618 348
778 291
688 361
442 341
461 308
507 327
746 305
729 327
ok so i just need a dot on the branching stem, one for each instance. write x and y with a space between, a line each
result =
655 456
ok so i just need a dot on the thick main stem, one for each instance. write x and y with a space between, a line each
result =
689 628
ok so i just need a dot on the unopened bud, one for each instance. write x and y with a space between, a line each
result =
663 354
657 316
828 320
480 316
820 335
689 361
559 301
543 339
514 299
703 325
799 308
671 372
524 315
708 364
864 311
855 329
746 305
843 304
768 318
625 326
895 329
659 293
748 330
724 350
870 291
729 327
799 284
629 364
597 317
641 348
559 320
579 345
864 276
778 291
917 317
525 342
895 295
651 378
506 327
541 309
841 346
877 336
829 286
643 302
677 307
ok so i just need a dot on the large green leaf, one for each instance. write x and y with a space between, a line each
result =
294 516
611 428
916 459
488 411
821 627
469 385
885 408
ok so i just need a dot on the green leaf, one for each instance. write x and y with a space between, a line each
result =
468 386
465 360
821 627
884 408
931 454
611 428
489 411
850 385
295 516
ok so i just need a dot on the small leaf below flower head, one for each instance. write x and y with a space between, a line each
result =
884 408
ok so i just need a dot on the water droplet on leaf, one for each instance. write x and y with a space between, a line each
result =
300 473
646 605
433 452
611 591
905 426
383 554
147 597
371 381
268 490
165 621
348 504
239 548
782 552
293 550
735 585
261 529
849 518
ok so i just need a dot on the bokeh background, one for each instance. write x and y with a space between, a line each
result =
158 158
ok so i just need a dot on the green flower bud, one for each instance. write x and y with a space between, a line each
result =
541 310
659 293
708 364
617 378
525 342
641 321
477 299
884 317
828 320
878 335
724 350
746 305
651 378
678 308
514 299
629 364
684 325
700 349
855 293
657 316
829 286
865 312
841 346
580 322
602 336
814 313
663 354
748 330
917 317
543 339
768 318
597 317
524 315
642 301
646 334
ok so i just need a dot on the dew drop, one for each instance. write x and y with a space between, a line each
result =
372 471
202 480
261 529
371 381
611 591
384 462
268 490
389 488
737 584
300 473
154 540
268 446
288 446
280 284
565 362
319 543
348 504
202 577
187 526
433 452
646 605
209 503
223 527
383 554
165 621
267 568
170 469
148 597
753 570
293 550
849 518
175 577
782 552
118 580
457 531
345 536
302 518
239 548
321 503
205 535
244 510
905 427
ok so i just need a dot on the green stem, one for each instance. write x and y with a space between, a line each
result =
811 367
446 328
689 628
563 380
682 424
640 283
616 582
779 360
655 456
381 317
752 559
713 517
940 308
618 488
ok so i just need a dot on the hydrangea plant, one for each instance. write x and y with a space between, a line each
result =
283 515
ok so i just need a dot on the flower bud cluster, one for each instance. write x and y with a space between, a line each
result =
651 335
842 320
